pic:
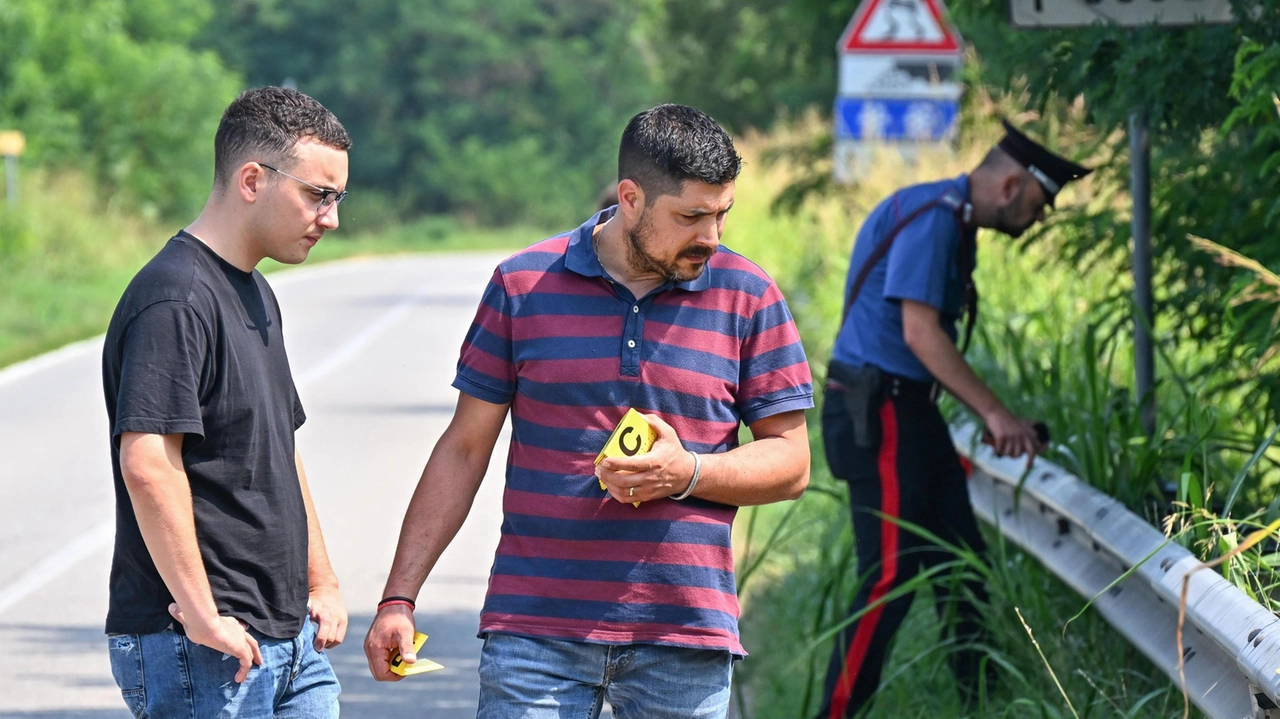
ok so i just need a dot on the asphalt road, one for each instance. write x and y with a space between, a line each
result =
373 346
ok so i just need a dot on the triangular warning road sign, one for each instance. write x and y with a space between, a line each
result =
900 26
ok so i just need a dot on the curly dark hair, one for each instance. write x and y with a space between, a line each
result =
664 146
265 123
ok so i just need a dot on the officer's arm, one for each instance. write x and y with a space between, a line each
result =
923 333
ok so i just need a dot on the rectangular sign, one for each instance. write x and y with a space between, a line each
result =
1127 13
902 77
12 143
896 119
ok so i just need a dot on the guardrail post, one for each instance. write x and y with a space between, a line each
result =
1143 306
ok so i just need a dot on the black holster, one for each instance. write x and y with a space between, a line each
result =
862 393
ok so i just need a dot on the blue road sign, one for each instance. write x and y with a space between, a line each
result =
896 120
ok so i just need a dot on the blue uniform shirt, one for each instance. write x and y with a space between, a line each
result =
921 265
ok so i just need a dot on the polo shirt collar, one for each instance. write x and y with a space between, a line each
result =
580 255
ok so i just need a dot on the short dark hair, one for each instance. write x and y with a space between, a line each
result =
997 159
669 144
266 123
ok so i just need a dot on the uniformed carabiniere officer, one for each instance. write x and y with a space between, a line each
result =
910 280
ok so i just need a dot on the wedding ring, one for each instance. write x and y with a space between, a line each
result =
631 492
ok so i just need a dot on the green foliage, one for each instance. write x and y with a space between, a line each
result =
1206 92
112 87
498 111
747 61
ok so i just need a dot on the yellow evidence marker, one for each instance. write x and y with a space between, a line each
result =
632 436
421 666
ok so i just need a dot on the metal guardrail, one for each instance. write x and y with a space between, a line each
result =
1230 643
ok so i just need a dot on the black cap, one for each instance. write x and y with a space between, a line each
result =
1052 171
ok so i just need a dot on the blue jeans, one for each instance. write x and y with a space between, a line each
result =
167 676
527 678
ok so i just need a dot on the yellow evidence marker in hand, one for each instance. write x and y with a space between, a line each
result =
632 436
398 665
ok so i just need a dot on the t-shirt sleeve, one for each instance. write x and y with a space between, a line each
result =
486 369
161 371
773 371
299 415
920 259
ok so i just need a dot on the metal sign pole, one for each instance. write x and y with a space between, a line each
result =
1144 356
11 179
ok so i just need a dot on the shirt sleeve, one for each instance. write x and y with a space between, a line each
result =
486 369
920 259
162 372
774 373
299 414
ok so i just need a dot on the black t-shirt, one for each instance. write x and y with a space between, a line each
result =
195 348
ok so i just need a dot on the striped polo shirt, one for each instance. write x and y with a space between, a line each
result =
571 350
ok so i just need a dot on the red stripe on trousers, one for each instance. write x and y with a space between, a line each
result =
888 561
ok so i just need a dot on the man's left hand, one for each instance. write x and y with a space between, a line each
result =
664 470
330 614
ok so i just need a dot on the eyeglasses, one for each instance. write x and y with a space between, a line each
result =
327 197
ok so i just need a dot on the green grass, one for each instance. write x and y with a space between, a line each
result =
65 258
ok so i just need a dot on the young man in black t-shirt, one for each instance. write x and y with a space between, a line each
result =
220 583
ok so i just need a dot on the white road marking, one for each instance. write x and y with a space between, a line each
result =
22 370
57 564
358 342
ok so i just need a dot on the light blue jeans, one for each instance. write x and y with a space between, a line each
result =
527 678
167 676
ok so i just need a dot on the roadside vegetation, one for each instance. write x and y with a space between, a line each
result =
65 258
1055 340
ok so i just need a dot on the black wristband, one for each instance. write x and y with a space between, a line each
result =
385 600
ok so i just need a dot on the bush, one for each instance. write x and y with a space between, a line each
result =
112 88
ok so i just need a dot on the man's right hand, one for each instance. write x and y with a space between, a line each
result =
223 634
1013 436
392 632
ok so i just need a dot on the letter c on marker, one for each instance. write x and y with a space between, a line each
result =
622 444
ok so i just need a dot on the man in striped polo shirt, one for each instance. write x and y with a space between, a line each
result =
591 598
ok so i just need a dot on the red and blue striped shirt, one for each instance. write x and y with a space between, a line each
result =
571 350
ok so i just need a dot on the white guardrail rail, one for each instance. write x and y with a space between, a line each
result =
1230 643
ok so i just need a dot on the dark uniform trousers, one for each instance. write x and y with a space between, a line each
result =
911 472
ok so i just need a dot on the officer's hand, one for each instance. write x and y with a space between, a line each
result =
392 632
664 470
1013 436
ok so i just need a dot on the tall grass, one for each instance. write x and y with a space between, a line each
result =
66 255
1055 342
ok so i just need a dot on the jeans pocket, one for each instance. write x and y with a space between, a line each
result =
125 651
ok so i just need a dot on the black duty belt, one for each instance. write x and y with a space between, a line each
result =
899 386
